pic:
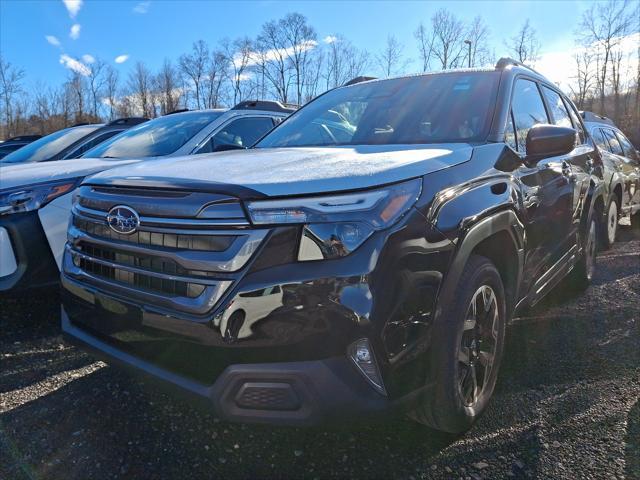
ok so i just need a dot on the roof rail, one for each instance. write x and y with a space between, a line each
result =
594 117
268 105
180 110
359 79
505 62
128 121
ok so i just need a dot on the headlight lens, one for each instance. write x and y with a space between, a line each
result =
33 197
335 225
378 208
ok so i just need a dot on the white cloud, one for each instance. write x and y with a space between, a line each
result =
74 33
86 58
73 7
121 58
53 40
142 8
74 65
330 39
274 53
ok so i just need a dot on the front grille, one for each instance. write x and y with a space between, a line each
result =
140 280
183 241
184 263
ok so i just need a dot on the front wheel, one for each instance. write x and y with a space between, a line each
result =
467 348
582 274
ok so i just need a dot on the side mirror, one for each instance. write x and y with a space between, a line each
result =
545 141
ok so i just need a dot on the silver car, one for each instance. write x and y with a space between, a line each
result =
195 132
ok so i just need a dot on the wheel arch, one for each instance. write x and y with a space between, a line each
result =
499 237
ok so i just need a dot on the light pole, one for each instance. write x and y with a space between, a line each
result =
468 42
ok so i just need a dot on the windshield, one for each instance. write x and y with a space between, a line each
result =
155 138
49 146
438 108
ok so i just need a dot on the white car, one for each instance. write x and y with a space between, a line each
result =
35 198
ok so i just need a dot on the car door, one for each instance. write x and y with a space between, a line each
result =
612 164
631 168
241 132
586 164
547 188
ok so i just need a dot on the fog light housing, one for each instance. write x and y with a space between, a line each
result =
361 354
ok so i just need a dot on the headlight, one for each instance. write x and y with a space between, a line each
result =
335 225
33 197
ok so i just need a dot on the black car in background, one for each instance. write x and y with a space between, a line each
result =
70 142
317 275
621 163
14 143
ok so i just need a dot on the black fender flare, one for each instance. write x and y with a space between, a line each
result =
505 220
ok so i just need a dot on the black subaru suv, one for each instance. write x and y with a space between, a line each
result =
364 256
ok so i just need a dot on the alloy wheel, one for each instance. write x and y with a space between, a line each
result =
478 345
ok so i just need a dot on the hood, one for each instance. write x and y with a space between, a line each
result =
23 174
291 171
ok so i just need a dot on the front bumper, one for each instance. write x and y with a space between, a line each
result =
288 393
34 262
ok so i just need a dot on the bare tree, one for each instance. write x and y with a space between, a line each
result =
478 34
343 62
583 77
194 66
140 84
216 73
96 82
448 39
239 56
167 87
78 89
425 46
603 26
390 60
111 90
300 41
273 60
10 86
524 46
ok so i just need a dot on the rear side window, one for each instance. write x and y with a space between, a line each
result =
242 132
598 137
614 144
77 153
528 110
627 148
558 109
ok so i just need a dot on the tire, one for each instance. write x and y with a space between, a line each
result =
457 354
582 274
635 221
609 226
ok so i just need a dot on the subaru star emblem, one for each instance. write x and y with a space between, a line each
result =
123 219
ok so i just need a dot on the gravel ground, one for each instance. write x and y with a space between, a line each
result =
567 406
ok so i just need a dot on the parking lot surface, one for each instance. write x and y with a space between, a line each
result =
566 406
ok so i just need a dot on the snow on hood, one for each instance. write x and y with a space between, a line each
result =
294 171
23 174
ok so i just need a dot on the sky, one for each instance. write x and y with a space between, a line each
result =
48 37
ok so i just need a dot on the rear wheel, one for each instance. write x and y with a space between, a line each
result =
467 349
608 233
